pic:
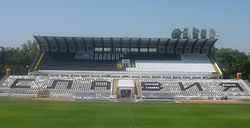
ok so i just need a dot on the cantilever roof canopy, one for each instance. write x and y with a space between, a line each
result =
117 44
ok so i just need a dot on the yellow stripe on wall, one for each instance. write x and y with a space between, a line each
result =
119 64
115 86
39 60
214 66
216 69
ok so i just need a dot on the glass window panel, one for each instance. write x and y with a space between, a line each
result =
143 49
152 50
134 49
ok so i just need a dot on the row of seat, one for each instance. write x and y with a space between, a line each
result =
159 95
91 95
108 56
47 83
178 87
202 87
173 66
50 62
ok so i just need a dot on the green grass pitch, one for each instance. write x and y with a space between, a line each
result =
24 113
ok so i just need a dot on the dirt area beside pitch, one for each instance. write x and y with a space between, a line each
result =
213 101
51 99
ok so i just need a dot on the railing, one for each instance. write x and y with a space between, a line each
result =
216 63
38 61
124 74
34 61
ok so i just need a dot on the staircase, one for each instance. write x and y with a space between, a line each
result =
138 89
38 61
215 66
119 64
115 85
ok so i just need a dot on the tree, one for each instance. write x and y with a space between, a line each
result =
211 33
176 33
18 58
195 33
203 34
2 61
232 62
185 34
248 66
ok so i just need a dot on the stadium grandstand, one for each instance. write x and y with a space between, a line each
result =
125 69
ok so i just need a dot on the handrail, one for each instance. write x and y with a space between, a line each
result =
39 60
34 60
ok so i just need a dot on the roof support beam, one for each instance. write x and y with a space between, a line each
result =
121 44
84 43
166 46
39 43
157 46
176 43
203 44
47 41
211 45
112 45
93 42
149 41
184 46
102 44
130 44
66 42
75 43
139 45
57 43
194 45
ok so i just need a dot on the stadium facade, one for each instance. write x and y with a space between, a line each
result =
125 69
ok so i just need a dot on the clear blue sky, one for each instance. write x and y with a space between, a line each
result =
21 19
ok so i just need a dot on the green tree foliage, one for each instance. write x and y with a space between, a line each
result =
185 34
248 66
176 34
211 33
203 34
195 33
18 58
232 61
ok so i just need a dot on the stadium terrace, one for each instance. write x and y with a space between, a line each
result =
125 69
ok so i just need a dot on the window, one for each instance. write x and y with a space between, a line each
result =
117 49
152 50
98 49
134 49
107 49
125 49
143 49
